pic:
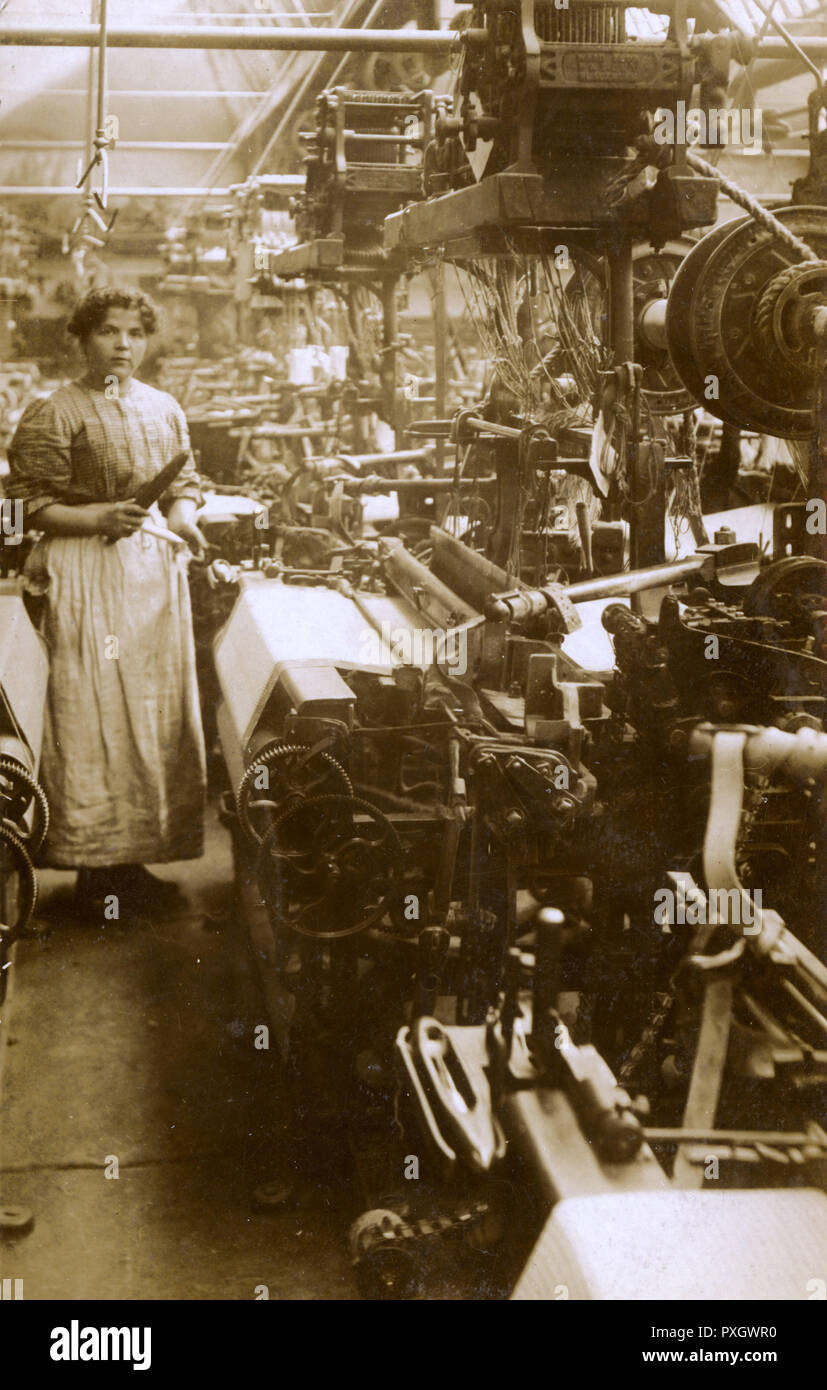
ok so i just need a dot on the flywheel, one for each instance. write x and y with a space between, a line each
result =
329 866
740 322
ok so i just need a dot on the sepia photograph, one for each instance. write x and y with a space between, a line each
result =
413 665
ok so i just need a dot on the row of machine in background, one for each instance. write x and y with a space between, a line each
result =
521 725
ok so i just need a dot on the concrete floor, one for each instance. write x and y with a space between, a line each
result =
137 1040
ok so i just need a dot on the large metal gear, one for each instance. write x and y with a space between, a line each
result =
739 322
329 866
794 590
280 771
19 795
18 896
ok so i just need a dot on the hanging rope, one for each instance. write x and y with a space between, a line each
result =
755 209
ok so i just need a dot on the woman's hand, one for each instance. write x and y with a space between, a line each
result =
181 520
110 519
116 519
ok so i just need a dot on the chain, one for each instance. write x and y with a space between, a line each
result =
753 805
648 1039
761 214
409 1232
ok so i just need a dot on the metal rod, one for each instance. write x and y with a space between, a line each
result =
788 39
585 530
45 191
730 1136
277 38
621 300
305 17
361 137
259 181
287 39
804 1003
390 351
398 456
471 422
522 602
152 92
491 427
89 135
647 501
441 429
187 145
613 585
96 134
814 45
440 321
425 486
101 109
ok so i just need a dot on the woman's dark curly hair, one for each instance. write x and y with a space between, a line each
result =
90 312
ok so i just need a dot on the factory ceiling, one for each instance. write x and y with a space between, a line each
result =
199 119
187 119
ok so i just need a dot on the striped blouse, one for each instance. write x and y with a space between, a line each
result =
79 446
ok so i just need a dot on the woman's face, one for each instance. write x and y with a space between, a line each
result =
116 347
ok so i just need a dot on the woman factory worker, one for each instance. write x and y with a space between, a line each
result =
122 761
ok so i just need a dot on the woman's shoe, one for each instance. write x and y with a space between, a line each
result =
95 890
144 890
129 889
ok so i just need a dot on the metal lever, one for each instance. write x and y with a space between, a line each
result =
731 750
453 1098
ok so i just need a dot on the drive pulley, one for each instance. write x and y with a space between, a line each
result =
745 318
